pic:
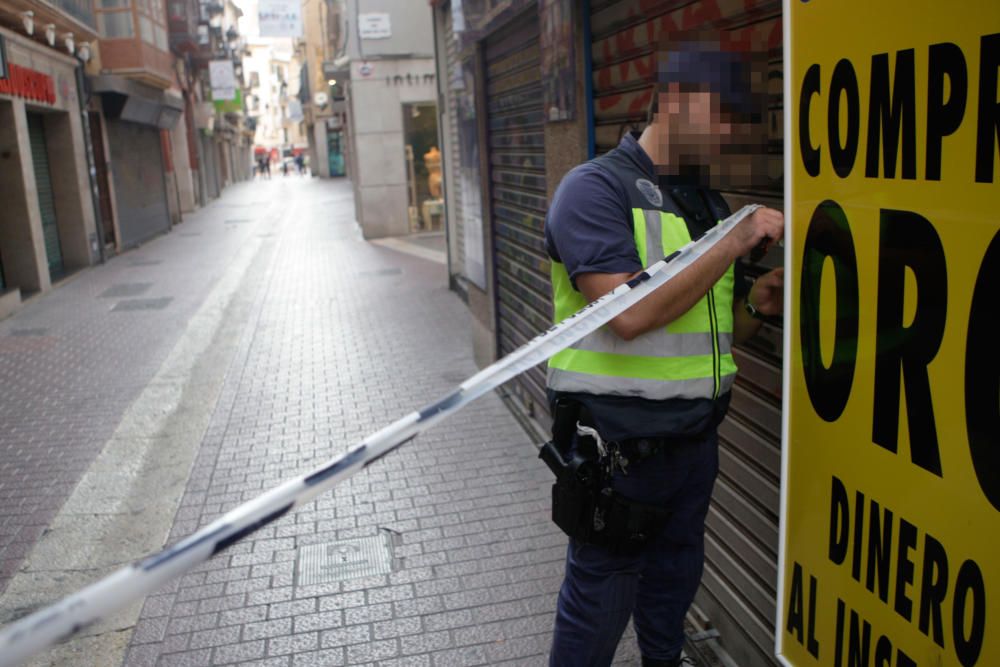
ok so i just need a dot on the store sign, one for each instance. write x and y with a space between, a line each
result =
891 480
280 18
29 84
222 78
234 105
374 26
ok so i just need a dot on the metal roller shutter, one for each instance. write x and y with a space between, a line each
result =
140 190
741 542
46 199
518 196
454 154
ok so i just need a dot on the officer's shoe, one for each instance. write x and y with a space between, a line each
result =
679 661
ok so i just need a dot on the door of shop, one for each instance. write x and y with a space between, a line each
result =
140 191
741 540
518 197
46 199
103 187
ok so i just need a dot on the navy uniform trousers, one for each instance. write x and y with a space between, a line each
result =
602 589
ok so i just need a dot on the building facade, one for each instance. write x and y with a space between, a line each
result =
322 82
272 76
370 107
531 88
48 226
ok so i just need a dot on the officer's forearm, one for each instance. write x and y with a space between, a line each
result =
670 301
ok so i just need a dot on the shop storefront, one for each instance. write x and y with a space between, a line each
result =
47 228
134 116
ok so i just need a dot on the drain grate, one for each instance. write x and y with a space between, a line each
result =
145 262
234 221
190 233
124 289
25 333
382 272
143 304
338 561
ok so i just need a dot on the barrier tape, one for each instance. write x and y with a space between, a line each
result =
65 618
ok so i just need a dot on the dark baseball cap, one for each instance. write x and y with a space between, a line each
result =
732 75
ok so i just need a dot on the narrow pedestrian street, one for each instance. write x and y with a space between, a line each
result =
263 336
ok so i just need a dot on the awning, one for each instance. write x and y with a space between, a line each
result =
125 99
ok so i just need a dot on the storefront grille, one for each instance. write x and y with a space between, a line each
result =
518 197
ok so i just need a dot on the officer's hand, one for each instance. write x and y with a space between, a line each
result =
768 293
764 227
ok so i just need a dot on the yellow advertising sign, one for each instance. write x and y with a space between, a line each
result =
890 553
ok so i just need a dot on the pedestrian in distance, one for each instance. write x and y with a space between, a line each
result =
637 403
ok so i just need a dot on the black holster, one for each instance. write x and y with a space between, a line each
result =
584 505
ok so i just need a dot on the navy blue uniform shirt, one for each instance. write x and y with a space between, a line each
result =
588 229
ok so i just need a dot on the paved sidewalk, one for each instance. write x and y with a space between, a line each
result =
330 338
71 363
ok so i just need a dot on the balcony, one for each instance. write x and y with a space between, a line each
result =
68 16
183 17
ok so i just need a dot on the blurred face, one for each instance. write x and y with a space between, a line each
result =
701 140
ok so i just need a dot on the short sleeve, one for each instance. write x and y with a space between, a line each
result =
588 228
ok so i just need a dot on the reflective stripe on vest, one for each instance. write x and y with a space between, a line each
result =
689 358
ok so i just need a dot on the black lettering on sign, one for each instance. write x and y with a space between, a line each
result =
879 551
812 644
908 240
838 641
883 652
944 116
844 82
797 622
810 154
894 111
904 567
933 589
859 527
903 660
988 128
829 235
982 377
839 521
969 582
795 625
859 641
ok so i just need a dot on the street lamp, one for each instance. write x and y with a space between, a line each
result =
83 52
69 42
50 34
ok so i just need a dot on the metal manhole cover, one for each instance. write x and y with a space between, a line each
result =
124 289
350 559
143 304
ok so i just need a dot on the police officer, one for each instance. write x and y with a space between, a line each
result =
655 382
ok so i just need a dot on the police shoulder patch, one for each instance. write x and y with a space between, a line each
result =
650 192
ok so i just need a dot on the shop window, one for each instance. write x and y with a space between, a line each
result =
161 37
115 25
113 4
423 167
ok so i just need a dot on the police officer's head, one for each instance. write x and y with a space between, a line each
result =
707 109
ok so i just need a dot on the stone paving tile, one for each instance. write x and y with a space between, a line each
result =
340 344
68 383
